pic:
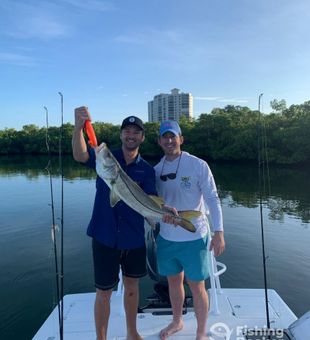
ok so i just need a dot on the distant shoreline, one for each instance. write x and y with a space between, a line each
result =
232 134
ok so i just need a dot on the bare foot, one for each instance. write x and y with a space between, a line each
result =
134 337
173 327
202 337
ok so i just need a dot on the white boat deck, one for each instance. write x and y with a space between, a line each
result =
239 308
231 312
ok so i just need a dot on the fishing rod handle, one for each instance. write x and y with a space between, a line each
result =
91 135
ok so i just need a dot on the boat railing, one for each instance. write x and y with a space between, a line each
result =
214 278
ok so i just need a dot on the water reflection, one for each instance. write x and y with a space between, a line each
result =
26 261
34 166
289 187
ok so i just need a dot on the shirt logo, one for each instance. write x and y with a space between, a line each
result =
185 182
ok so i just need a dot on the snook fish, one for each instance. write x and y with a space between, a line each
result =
122 187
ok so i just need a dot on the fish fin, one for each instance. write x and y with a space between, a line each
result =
189 214
187 225
158 200
113 198
153 223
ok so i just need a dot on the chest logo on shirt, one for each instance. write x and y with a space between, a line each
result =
185 182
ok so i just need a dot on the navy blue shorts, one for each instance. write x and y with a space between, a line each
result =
108 261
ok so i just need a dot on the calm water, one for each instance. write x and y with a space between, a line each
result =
26 257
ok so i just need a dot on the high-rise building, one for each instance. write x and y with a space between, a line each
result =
170 106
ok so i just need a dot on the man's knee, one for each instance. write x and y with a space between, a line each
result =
103 296
197 287
131 284
176 280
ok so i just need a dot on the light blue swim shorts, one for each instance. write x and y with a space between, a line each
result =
190 256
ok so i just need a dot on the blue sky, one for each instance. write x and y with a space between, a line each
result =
114 56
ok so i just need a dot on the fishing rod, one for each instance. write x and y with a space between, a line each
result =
54 226
261 181
61 220
91 135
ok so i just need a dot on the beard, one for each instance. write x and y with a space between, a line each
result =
131 145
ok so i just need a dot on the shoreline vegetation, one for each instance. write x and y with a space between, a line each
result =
228 134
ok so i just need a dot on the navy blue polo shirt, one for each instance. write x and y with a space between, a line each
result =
120 227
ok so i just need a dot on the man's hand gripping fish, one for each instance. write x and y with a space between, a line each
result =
122 187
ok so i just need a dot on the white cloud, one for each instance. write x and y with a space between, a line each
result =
25 21
220 99
207 98
136 39
16 59
174 49
91 5
233 100
151 37
39 27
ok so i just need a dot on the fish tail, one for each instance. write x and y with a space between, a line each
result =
186 224
185 218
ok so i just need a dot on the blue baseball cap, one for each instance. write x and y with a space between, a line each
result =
170 126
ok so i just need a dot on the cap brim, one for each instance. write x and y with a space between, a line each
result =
170 130
140 127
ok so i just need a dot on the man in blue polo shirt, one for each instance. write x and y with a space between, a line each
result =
118 233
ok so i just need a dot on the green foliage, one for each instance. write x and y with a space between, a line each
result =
230 134
150 147
278 105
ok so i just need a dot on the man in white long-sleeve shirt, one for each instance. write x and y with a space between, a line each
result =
186 183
